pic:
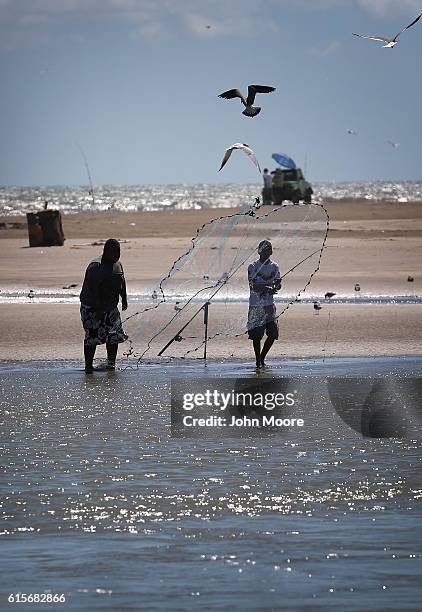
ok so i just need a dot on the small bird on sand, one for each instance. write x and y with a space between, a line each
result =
250 110
177 307
389 42
246 148
357 287
70 286
154 295
31 294
317 307
329 295
410 279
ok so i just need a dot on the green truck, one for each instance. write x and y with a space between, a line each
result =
294 187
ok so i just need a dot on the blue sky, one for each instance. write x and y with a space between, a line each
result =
135 83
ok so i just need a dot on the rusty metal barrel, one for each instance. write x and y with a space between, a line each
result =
45 228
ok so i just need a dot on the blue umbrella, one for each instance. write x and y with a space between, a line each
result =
284 160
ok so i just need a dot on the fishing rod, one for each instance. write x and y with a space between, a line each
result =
178 338
91 186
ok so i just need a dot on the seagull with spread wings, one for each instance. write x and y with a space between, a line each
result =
238 145
250 110
390 42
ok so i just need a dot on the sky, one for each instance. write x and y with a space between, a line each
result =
135 84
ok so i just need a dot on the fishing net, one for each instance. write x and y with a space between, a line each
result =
210 278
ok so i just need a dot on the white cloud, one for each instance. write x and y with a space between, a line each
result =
380 8
145 18
25 21
385 8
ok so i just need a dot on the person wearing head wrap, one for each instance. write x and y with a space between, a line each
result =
264 281
103 285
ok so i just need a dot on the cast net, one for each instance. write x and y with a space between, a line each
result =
168 322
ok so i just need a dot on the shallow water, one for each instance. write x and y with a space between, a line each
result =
67 198
101 503
21 296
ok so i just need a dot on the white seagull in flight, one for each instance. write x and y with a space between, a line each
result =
390 42
238 145
250 110
395 145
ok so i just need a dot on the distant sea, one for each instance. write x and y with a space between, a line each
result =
126 198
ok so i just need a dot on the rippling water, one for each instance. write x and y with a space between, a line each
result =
99 502
20 200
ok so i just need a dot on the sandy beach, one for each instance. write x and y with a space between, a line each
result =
376 244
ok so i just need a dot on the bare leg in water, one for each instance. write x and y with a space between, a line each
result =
257 349
111 354
89 353
267 345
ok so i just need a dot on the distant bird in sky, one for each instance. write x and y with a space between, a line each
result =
390 42
329 295
395 145
246 148
250 110
351 132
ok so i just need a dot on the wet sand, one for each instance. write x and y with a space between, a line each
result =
377 245
53 331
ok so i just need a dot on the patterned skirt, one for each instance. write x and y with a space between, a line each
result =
106 328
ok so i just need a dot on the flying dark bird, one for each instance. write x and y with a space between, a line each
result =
317 307
351 132
238 145
329 295
250 110
389 42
